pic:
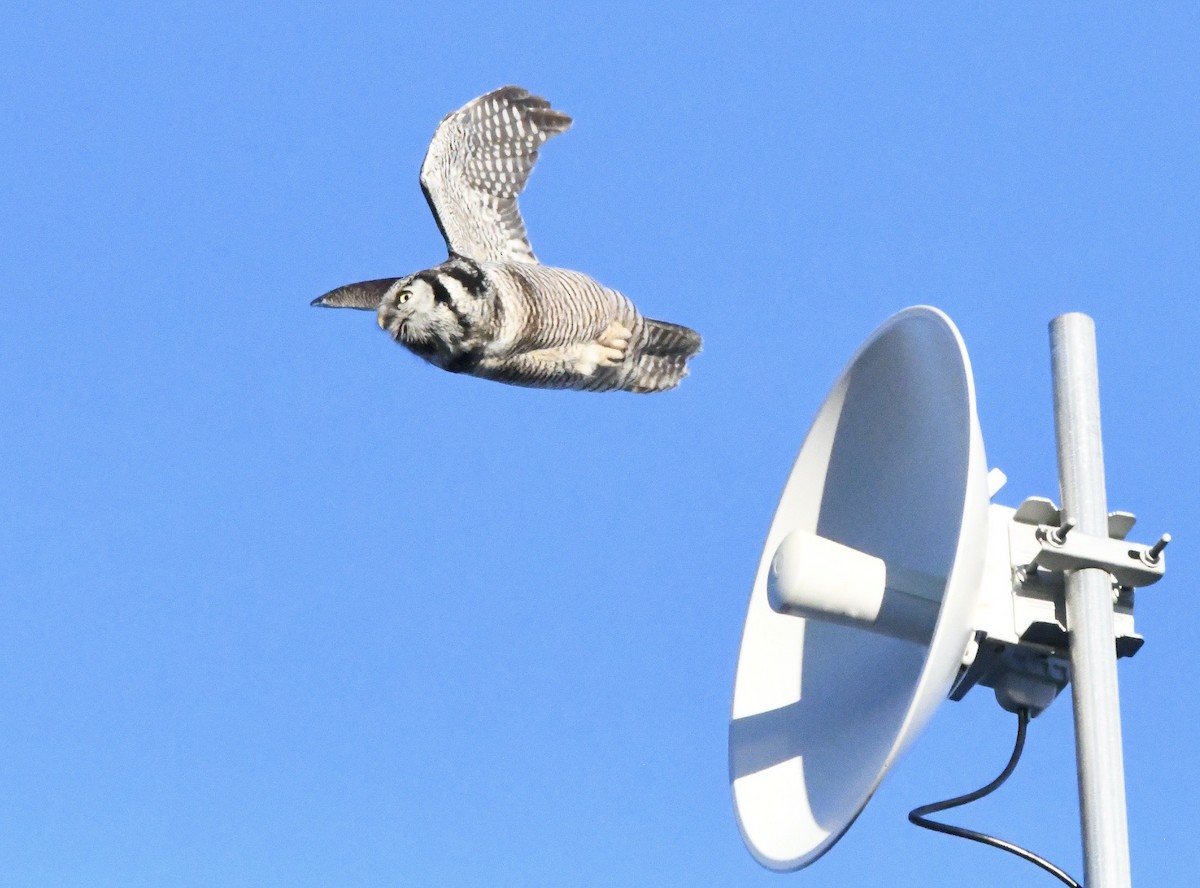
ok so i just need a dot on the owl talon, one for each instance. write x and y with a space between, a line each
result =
610 357
595 355
613 342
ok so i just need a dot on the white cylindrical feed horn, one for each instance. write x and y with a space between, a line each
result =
822 580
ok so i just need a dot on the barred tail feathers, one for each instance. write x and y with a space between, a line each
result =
665 351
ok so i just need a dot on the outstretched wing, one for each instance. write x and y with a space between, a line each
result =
477 164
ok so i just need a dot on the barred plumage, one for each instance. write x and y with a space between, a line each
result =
491 310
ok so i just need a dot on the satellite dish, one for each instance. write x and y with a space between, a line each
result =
862 604
889 579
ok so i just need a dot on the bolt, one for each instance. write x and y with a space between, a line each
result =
1152 554
1059 536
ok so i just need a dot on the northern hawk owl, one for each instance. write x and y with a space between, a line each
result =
491 309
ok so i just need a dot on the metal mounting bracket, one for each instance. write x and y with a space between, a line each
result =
1020 648
1060 548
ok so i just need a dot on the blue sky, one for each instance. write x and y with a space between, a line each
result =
285 606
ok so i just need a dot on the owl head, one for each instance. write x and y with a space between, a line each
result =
419 312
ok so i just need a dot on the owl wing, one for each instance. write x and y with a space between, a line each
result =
478 162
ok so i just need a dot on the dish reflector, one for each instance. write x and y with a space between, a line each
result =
831 692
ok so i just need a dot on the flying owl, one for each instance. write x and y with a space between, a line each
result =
491 309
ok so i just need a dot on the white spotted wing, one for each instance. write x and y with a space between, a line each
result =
477 164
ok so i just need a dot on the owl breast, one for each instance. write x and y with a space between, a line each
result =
543 307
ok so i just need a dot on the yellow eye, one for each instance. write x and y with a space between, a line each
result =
403 298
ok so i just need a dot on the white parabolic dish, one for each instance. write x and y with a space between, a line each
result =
893 466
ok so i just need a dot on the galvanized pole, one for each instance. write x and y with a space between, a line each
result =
1090 606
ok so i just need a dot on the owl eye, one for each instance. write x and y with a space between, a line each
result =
403 297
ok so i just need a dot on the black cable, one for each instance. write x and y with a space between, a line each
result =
917 815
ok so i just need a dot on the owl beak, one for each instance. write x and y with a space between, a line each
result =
365 295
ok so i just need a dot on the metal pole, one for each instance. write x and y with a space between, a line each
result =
1090 606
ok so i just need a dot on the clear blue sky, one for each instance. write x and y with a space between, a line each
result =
285 606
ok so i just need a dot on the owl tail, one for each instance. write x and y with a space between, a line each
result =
664 352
